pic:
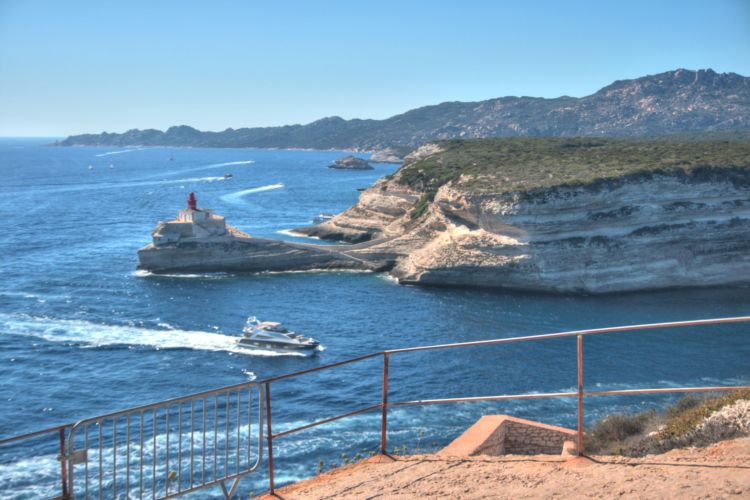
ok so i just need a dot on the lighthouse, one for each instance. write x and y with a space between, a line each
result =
194 214
192 202
191 223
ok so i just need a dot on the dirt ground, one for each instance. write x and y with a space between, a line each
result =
719 471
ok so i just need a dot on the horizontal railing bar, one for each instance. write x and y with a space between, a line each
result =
646 326
575 333
666 390
623 392
329 419
171 401
319 368
514 396
34 434
484 398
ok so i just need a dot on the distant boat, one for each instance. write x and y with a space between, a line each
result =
91 167
111 165
323 217
228 176
171 159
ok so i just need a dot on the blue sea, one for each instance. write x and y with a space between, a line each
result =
82 333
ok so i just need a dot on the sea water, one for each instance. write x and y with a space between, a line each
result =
82 333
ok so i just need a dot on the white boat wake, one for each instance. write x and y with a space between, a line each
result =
118 185
142 273
110 153
89 334
230 163
290 232
203 167
236 197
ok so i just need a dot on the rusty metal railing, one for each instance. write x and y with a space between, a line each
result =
57 433
580 394
169 448
168 488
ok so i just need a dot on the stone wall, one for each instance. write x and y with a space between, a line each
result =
506 435
533 438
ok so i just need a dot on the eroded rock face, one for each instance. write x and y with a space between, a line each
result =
380 206
654 231
387 155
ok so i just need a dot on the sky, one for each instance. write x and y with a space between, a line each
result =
69 67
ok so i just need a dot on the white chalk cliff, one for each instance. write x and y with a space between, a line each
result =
648 229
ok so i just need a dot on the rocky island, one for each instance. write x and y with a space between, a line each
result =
351 163
198 240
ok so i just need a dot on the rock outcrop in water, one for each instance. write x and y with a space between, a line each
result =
351 163
560 215
200 241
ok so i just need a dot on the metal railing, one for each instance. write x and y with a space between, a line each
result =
58 433
214 418
169 448
580 394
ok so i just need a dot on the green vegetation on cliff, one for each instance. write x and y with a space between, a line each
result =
638 434
528 163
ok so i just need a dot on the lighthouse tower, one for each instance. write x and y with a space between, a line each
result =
192 202
192 213
191 223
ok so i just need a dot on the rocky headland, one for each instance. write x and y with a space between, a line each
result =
560 215
351 163
541 214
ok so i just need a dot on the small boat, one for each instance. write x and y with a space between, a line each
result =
91 167
272 335
228 176
323 217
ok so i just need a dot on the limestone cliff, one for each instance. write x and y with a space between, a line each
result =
560 215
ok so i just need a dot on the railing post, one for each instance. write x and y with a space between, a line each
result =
269 438
580 395
384 407
63 464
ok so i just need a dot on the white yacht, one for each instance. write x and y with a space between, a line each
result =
273 335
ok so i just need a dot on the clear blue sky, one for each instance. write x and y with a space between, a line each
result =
69 67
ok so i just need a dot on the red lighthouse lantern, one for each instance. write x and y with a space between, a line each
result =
192 203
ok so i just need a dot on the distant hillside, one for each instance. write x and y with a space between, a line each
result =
672 102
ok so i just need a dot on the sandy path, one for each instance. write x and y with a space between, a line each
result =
719 471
